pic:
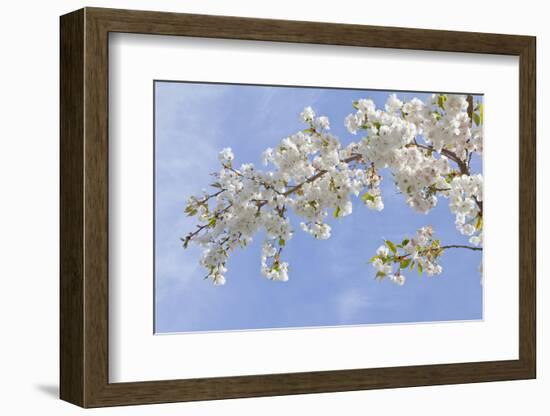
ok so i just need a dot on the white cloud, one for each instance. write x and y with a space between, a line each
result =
350 303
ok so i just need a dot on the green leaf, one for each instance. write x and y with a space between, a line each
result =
367 197
356 105
282 242
405 263
372 259
405 242
391 246
380 275
480 106
419 269
336 212
411 266
212 222
441 101
191 211
377 125
309 131
216 185
479 223
477 119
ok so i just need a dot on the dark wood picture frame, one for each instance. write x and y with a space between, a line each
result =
84 207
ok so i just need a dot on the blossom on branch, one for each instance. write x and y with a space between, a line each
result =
427 146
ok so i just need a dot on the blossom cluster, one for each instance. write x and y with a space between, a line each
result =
421 251
427 146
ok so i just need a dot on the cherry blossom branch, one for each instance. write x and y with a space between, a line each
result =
200 228
308 156
445 247
461 246
421 251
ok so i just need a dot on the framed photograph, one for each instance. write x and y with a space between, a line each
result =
255 207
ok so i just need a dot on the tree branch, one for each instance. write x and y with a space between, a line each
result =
217 215
462 165
474 248
422 252
312 178
464 170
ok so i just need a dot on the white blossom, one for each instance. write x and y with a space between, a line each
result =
226 155
307 115
393 104
382 251
398 279
323 122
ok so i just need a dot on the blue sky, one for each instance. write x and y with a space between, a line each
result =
330 281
